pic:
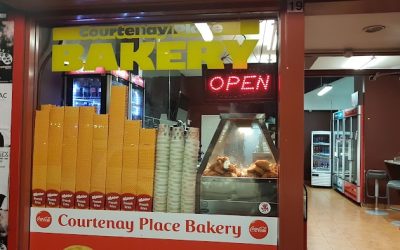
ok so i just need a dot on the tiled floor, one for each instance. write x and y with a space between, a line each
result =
335 223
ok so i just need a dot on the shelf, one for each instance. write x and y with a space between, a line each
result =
322 154
87 98
319 170
321 144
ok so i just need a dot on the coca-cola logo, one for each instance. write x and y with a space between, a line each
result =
258 229
43 219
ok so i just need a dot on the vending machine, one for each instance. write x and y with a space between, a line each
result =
348 151
321 158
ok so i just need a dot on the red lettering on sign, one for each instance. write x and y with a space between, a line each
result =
215 81
245 84
232 80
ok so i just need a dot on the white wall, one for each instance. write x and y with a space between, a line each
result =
338 98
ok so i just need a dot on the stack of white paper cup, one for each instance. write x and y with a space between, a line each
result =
177 147
162 165
190 161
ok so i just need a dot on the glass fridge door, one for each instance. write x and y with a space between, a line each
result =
340 149
346 148
353 151
321 153
136 103
335 145
86 91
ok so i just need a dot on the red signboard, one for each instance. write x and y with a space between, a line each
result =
255 83
73 229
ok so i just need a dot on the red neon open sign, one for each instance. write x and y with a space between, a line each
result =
244 83
239 86
256 83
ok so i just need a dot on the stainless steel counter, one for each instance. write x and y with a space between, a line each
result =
392 162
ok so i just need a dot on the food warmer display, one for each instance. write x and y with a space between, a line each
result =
239 172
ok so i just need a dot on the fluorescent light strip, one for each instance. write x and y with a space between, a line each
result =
324 90
205 31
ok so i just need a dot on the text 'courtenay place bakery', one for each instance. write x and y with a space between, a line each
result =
146 224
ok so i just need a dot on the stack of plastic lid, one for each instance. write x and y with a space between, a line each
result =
177 147
162 165
189 171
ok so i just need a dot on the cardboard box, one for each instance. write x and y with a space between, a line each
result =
147 153
147 148
99 162
148 136
40 152
117 117
130 165
70 145
48 107
84 157
54 157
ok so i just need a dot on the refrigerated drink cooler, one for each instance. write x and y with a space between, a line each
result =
94 89
321 158
239 172
347 144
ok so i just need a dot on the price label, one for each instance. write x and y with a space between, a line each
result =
295 6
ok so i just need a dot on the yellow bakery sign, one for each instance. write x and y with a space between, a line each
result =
159 47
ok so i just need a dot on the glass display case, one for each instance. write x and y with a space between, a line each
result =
239 172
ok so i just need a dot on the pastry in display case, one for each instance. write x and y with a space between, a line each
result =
240 169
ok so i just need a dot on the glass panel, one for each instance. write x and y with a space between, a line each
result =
340 150
321 152
243 143
354 176
87 92
347 148
136 103
335 146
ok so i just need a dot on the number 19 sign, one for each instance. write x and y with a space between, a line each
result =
295 5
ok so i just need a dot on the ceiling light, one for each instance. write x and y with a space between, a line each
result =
205 31
245 130
373 28
325 90
358 62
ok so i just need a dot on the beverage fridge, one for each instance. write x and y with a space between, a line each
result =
321 158
348 151
94 89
